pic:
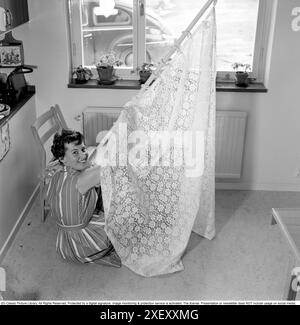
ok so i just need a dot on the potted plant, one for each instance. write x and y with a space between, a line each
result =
105 67
145 72
82 74
241 74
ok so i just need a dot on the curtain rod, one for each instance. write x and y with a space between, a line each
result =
179 41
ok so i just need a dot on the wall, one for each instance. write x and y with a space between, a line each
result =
272 154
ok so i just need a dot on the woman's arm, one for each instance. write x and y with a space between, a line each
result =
88 179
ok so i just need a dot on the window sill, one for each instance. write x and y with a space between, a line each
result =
119 84
256 87
135 84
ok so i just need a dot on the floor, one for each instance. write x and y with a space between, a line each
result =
246 260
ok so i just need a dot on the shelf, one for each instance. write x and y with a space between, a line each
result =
14 108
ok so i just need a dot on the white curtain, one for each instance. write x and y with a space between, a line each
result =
151 210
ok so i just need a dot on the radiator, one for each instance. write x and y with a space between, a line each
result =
96 119
230 136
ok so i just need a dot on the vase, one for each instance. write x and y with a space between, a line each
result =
241 79
105 74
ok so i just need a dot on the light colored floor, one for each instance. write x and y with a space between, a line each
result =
246 260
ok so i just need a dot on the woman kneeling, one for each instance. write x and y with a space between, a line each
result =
72 198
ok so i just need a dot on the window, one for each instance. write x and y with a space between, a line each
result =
141 31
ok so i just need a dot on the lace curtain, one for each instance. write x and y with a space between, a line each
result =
151 210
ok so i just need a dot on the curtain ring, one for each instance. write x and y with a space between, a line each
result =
188 34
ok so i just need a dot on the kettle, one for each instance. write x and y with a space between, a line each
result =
15 85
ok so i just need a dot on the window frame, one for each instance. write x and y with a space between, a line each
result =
263 30
76 42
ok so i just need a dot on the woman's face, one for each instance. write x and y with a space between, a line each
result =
75 156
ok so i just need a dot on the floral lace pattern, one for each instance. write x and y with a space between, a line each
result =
151 211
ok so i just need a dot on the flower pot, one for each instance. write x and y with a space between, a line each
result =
81 78
105 73
144 76
241 79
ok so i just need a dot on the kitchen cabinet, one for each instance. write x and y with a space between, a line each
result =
13 13
19 171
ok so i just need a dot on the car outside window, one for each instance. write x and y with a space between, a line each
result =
141 31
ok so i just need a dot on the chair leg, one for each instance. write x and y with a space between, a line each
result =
42 201
47 211
42 206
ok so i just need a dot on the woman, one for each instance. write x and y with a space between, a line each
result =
72 198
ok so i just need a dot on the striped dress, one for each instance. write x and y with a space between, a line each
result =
81 236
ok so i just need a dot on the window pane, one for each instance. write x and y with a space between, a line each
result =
236 28
107 25
236 23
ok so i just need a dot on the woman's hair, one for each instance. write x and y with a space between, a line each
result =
65 136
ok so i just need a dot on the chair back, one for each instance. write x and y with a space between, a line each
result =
43 129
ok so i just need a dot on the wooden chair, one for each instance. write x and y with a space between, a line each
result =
56 122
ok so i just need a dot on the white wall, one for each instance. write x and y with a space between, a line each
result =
272 154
